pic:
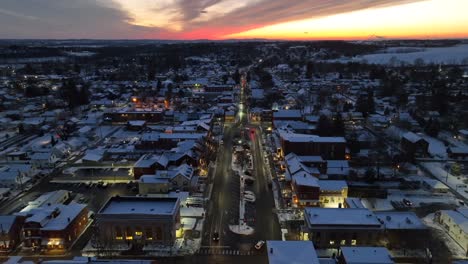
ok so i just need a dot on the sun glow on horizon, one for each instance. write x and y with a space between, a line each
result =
427 19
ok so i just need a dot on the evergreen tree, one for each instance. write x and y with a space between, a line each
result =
338 125
324 128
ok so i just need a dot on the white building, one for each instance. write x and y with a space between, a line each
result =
456 225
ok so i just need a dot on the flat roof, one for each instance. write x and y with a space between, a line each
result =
332 185
140 205
306 180
366 255
340 217
286 252
400 220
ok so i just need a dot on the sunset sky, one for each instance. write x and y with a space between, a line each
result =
226 19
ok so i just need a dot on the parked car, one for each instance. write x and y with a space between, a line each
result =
259 244
215 236
407 202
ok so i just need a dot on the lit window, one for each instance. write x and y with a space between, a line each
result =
138 233
332 242
129 237
343 242
119 238
353 242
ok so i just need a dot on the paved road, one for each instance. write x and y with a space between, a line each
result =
223 209
211 259
267 226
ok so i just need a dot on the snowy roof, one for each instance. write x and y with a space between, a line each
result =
136 122
329 217
296 252
295 137
6 222
93 156
435 184
257 93
458 218
140 205
292 113
411 137
400 220
337 186
148 178
66 214
459 150
41 156
337 167
366 255
305 180
354 202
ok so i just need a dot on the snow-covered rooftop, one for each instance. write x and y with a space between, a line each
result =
286 252
330 217
400 220
366 255
140 205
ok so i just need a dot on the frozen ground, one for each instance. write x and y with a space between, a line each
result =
441 55
438 170
456 250
417 197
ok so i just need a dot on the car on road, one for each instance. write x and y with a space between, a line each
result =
407 202
249 193
248 181
259 244
215 236
249 198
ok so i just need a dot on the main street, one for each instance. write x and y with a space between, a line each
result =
223 207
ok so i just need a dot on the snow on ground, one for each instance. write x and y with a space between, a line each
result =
456 250
241 229
417 197
438 170
447 136
437 148
440 55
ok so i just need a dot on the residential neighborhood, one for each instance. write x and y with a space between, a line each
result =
230 152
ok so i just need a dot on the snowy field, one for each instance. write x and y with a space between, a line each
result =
441 55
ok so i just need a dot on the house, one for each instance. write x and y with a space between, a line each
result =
54 226
43 159
13 179
455 223
333 193
54 197
138 221
334 227
179 178
286 252
305 190
414 145
364 255
403 229
292 114
136 125
434 185
10 233
460 153
329 148
17 156
148 164
463 135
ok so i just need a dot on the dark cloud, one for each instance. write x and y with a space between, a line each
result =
67 19
267 12
106 19
191 9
